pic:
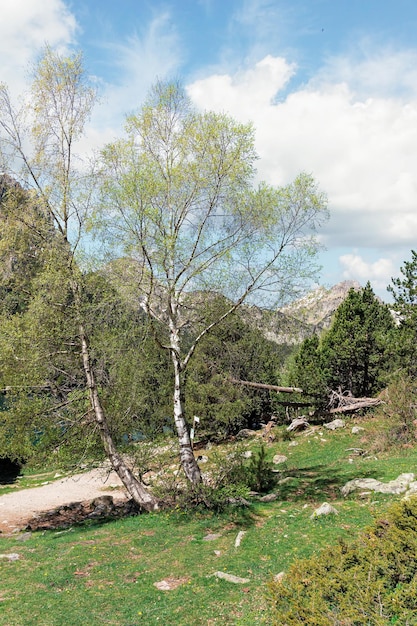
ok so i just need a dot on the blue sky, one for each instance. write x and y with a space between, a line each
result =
330 85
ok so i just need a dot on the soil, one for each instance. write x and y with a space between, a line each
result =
19 507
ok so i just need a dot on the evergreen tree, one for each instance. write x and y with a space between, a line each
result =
305 369
355 352
232 350
404 292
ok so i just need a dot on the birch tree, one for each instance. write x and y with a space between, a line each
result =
38 147
179 196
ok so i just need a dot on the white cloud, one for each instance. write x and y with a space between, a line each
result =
378 272
140 60
361 148
25 27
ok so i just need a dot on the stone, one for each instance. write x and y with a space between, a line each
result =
324 509
337 423
239 538
270 497
397 486
24 536
246 433
299 423
170 583
231 578
202 458
211 537
356 430
12 556
412 489
247 454
278 578
279 458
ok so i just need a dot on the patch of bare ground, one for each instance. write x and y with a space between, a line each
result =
17 508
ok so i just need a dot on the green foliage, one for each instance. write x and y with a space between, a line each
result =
404 292
399 412
304 370
232 350
355 354
370 581
259 472
25 231
355 351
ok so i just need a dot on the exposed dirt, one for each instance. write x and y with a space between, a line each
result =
17 508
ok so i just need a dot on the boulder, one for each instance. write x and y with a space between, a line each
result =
299 423
270 497
246 433
356 430
279 458
231 578
337 423
324 509
397 486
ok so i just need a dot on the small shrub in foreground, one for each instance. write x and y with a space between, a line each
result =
399 411
372 581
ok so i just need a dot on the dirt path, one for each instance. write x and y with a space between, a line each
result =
18 507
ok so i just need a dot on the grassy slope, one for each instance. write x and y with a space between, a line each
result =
104 574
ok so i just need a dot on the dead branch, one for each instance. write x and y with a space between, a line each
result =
264 386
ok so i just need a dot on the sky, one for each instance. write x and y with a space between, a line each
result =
329 85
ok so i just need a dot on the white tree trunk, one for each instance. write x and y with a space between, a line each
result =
188 461
135 488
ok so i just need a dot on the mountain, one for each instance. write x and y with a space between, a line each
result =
317 308
302 318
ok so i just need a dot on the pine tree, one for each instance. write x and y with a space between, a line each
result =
404 292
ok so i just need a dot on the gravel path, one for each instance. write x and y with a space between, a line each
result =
17 508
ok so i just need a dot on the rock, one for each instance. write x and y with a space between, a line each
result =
357 429
299 423
231 578
24 536
247 454
324 509
293 444
211 537
397 486
270 497
170 583
202 458
239 538
412 489
238 501
12 556
337 423
246 433
65 516
278 578
279 458
287 479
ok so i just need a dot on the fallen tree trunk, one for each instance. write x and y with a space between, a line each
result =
247 383
356 404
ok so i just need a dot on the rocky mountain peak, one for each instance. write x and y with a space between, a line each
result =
318 306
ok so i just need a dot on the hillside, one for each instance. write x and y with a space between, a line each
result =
293 323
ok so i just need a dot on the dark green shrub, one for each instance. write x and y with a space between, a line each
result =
259 471
371 581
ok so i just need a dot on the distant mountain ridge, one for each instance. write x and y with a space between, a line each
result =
302 318
318 307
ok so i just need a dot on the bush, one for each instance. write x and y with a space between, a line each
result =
371 581
399 412
230 477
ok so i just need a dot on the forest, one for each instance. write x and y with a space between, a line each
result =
128 284
123 279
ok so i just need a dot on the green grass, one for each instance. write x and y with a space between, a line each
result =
105 574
